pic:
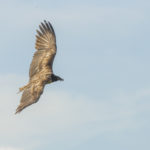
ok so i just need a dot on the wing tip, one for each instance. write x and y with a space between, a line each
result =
45 34
48 26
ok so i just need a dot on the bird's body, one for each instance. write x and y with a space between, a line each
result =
40 72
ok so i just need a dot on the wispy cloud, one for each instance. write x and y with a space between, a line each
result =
59 113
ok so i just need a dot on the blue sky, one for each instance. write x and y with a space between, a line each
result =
103 56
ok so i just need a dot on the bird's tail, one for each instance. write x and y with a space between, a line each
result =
19 109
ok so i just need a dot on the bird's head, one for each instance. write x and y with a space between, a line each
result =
56 78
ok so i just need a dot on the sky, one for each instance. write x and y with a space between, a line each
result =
103 55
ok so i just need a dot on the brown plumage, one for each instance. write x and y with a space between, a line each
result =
40 72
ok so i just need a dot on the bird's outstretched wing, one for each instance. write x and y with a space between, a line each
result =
41 66
46 49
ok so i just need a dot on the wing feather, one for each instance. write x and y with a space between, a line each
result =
46 45
46 35
36 61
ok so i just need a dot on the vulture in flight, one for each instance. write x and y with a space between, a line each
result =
41 72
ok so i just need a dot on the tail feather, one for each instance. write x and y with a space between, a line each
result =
19 109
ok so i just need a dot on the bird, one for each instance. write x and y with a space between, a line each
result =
41 67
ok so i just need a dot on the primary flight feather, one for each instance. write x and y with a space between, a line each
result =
41 72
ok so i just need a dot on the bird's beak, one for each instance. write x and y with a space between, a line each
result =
61 79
